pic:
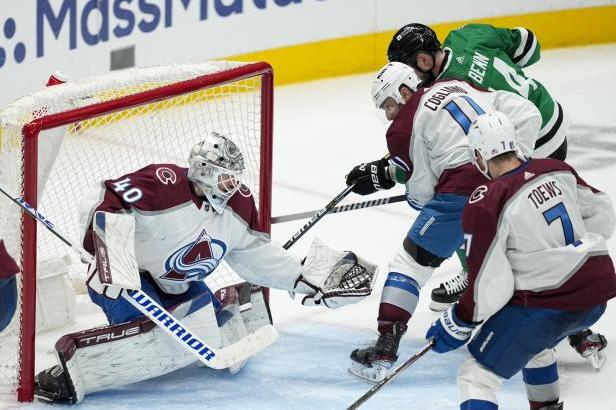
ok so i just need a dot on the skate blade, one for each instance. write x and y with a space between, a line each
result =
439 306
372 375
597 360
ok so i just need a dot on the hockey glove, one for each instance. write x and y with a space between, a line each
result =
449 332
333 279
370 177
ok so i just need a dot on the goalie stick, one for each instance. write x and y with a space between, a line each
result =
215 358
340 208
391 375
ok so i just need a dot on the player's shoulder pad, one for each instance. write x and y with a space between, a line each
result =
165 174
153 187
489 196
540 166
156 174
468 32
242 204
475 36
482 206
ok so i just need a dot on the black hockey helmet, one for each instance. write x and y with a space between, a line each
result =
411 39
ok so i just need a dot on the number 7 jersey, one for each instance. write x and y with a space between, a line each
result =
493 58
536 237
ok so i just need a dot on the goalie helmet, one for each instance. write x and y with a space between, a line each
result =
215 166
389 80
411 39
491 134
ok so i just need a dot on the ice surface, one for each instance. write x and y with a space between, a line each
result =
322 129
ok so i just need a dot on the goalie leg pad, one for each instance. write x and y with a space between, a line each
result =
256 314
111 356
244 311
232 327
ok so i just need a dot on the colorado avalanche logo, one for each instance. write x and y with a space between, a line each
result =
196 260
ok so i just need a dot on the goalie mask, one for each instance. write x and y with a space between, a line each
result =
491 135
215 166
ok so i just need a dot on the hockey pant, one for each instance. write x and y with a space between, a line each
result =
519 338
121 311
478 385
437 232
112 356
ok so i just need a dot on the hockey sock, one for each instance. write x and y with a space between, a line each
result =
541 380
398 301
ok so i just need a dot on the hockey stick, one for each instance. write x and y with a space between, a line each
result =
320 214
317 217
341 208
215 358
391 375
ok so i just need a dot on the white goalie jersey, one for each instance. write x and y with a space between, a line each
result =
180 238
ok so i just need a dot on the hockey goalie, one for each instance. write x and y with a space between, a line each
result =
167 228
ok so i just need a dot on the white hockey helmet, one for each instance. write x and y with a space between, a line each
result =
491 134
215 166
389 80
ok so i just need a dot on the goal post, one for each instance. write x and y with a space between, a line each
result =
58 144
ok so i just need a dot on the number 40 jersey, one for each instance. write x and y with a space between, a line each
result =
536 237
493 58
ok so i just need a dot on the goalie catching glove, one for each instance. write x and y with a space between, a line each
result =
332 278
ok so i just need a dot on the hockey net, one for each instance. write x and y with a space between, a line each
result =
59 142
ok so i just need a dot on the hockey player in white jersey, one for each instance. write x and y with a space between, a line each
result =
429 153
539 270
492 58
186 222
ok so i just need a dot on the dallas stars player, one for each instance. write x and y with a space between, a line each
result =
488 57
491 58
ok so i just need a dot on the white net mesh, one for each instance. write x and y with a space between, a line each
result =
73 158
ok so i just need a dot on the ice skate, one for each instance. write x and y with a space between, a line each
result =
52 385
590 345
372 363
449 292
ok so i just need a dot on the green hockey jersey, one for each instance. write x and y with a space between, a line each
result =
493 58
